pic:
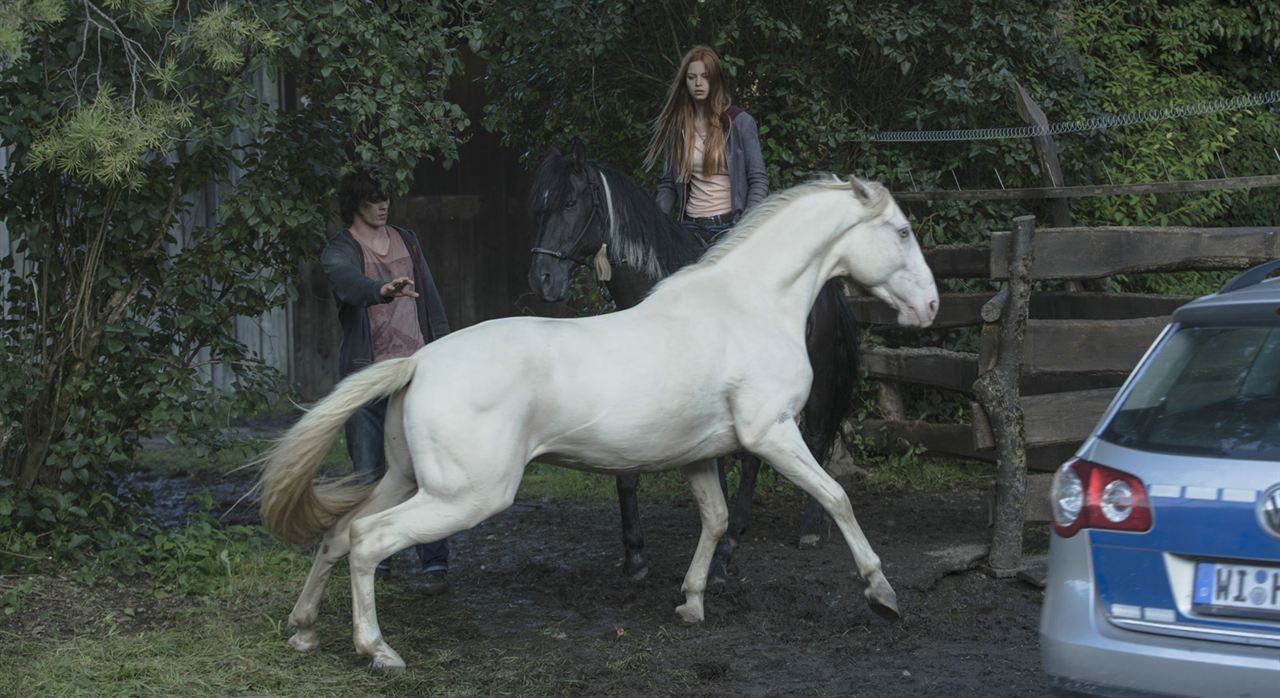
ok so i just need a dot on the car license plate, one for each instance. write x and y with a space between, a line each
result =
1237 590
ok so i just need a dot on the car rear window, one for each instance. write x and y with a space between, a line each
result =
1207 391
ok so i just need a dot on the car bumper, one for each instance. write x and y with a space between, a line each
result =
1084 654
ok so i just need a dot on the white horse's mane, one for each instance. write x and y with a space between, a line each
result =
872 195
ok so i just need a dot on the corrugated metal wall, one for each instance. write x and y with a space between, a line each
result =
267 336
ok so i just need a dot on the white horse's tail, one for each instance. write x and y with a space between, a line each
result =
293 508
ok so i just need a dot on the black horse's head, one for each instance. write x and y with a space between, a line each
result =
570 216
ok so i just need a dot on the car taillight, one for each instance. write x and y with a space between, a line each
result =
1088 495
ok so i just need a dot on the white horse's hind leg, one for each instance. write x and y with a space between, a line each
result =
334 547
424 518
396 486
783 447
705 483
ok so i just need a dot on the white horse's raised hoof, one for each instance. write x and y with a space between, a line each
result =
882 599
690 612
304 640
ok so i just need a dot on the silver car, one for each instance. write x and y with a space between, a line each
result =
1164 561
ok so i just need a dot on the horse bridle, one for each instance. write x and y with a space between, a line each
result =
577 239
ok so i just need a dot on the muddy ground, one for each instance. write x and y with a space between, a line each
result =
543 578
789 621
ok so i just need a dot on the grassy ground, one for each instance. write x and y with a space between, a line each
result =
232 643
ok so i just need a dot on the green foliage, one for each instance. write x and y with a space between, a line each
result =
11 601
121 119
20 18
204 558
819 78
822 78
1198 51
105 141
910 468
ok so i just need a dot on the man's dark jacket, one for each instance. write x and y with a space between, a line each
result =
343 262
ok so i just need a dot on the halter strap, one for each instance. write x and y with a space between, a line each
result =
577 239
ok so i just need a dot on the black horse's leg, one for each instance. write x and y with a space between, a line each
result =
634 565
628 287
739 518
814 515
832 340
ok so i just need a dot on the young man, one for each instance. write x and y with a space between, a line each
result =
389 307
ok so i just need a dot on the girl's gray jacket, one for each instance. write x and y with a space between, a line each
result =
748 183
343 262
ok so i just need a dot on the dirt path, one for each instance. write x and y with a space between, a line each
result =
543 577
543 580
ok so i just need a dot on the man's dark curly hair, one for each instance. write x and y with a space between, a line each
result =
362 186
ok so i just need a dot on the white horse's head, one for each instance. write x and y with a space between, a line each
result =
880 252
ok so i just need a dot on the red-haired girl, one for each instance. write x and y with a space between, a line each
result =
711 149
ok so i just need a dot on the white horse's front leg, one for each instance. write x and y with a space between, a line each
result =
705 483
782 446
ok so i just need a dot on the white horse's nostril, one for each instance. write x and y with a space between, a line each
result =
933 305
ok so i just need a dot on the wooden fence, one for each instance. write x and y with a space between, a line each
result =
1049 361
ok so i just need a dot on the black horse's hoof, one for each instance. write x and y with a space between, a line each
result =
635 567
719 572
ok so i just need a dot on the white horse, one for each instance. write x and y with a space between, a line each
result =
712 362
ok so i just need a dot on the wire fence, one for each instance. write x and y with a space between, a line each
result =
1097 123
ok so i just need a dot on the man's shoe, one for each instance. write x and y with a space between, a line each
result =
435 582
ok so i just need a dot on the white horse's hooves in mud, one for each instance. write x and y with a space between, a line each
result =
882 599
387 662
808 541
690 613
304 641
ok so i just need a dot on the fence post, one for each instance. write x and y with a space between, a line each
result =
1051 174
998 392
1046 155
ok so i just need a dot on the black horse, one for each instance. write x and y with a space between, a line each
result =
582 207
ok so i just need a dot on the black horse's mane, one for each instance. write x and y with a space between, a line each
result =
640 234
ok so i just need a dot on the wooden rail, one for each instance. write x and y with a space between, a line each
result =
1087 253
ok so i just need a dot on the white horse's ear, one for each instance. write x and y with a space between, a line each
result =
861 190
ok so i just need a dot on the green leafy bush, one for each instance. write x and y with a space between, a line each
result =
119 119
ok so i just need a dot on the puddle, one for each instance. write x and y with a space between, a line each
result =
172 499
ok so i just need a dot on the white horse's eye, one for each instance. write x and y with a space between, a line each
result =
904 233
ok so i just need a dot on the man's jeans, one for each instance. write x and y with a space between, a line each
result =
364 443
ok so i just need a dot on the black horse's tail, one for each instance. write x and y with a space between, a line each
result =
833 351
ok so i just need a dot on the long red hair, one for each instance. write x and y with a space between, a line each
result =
674 134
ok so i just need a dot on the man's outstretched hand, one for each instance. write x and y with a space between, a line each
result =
398 288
